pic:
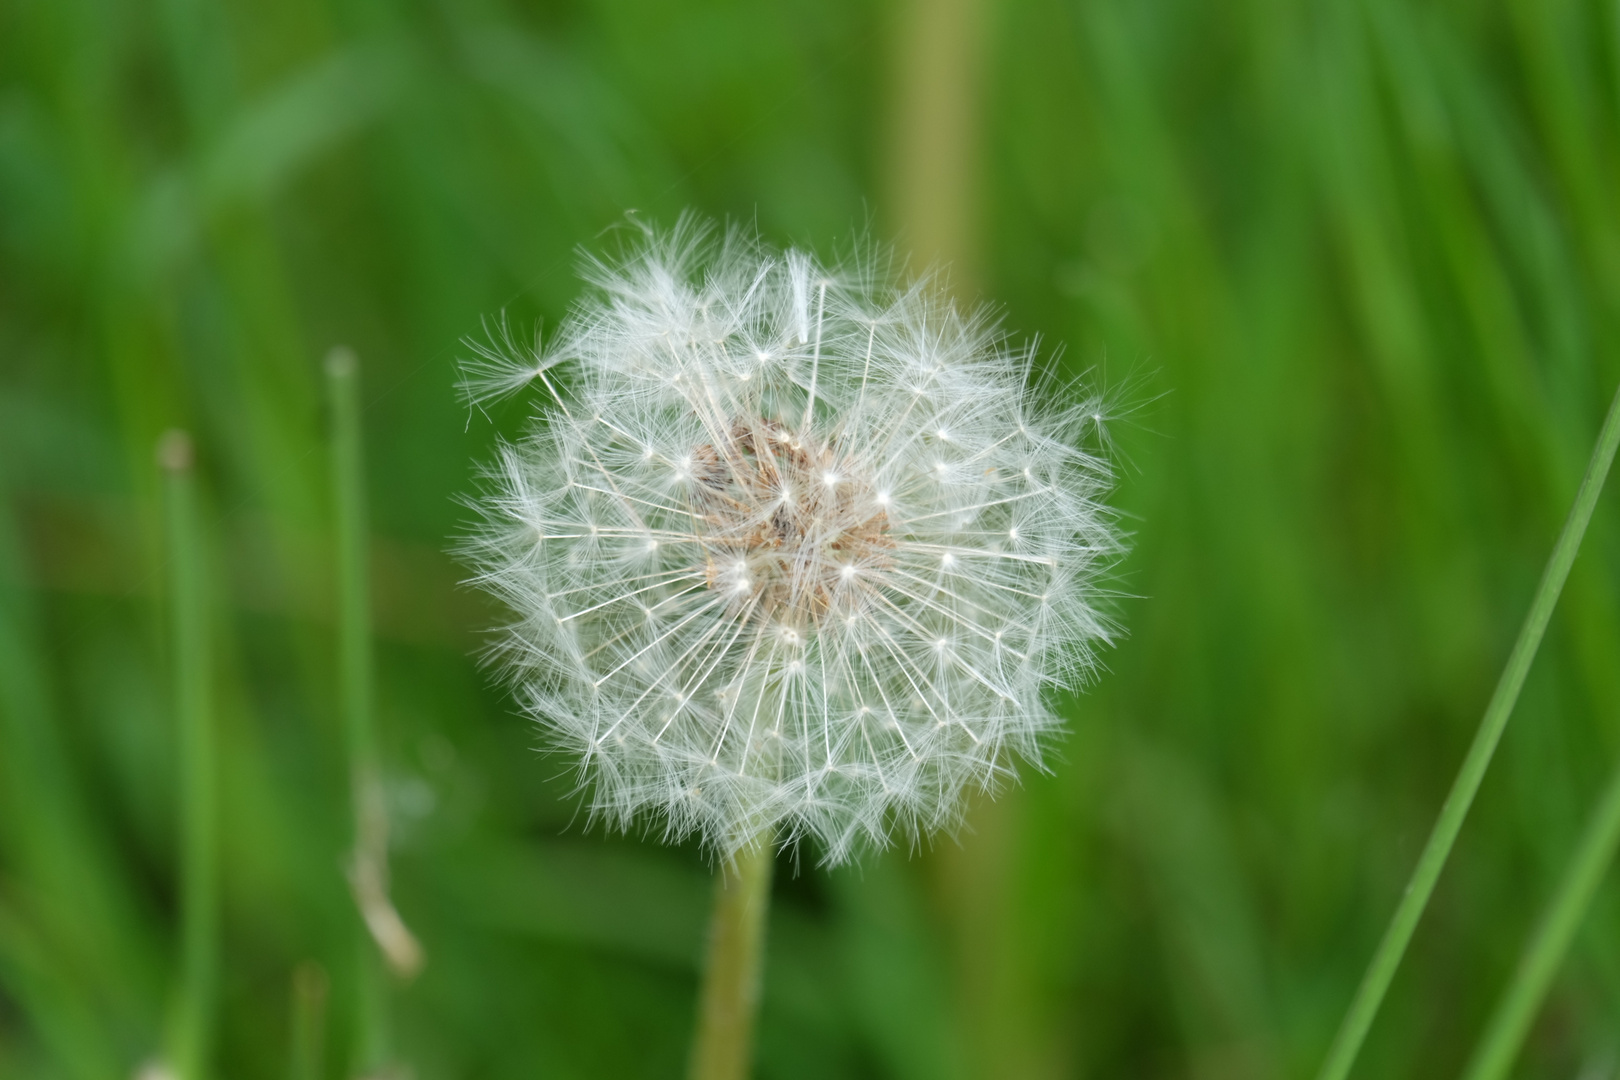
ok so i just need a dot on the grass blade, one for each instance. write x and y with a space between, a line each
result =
309 990
1370 994
199 874
1509 1024
368 867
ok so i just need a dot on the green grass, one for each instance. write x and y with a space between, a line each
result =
1355 264
1595 852
196 998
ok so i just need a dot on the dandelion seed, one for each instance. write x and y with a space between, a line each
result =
836 533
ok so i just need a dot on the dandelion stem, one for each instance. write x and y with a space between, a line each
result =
723 1048
368 867
1370 994
1500 1043
199 883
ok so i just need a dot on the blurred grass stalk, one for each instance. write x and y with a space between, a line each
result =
934 141
734 962
309 992
368 865
941 50
1549 944
1510 1022
199 874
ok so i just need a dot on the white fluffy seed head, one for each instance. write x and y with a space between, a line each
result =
788 550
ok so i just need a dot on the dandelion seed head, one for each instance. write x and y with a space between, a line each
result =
766 501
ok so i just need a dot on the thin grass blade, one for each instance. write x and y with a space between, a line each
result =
1370 994
1510 1023
199 826
368 866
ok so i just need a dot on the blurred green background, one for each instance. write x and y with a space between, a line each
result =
1353 265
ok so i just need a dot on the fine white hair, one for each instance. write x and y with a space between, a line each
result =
789 550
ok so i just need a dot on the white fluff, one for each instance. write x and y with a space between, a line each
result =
789 551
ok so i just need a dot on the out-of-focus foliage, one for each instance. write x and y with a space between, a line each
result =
1356 262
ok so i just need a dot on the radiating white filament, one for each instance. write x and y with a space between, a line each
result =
787 550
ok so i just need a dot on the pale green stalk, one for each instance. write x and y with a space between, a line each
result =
354 590
309 990
199 874
354 676
1509 1024
724 1045
368 866
1370 994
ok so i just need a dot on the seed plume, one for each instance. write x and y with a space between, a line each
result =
788 549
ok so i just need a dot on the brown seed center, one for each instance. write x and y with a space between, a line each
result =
789 526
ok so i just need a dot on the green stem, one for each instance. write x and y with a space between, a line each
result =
1499 1045
1370 994
354 599
309 989
723 1048
368 858
368 864
199 883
